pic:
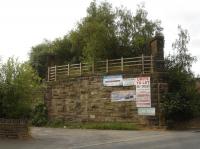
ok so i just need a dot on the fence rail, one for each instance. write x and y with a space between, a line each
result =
135 65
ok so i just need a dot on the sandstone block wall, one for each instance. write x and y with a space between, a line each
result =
86 99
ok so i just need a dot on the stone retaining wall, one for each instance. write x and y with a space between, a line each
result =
13 128
86 99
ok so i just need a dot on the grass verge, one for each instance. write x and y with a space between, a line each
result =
94 125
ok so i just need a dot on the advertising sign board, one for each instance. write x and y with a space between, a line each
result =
129 81
146 111
128 95
115 80
143 92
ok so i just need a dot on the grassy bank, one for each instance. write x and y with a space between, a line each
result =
94 125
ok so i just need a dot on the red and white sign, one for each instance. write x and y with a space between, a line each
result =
143 92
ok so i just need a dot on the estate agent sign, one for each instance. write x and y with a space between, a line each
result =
143 92
127 95
129 81
146 111
115 80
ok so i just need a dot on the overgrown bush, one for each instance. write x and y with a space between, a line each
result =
177 108
182 101
18 82
39 117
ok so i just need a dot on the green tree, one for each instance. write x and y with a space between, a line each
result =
105 33
61 48
181 103
182 59
135 32
98 32
60 51
17 85
38 58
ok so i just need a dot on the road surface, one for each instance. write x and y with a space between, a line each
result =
56 138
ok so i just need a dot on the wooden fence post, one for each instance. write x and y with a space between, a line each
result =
80 69
142 64
55 71
159 114
48 74
151 64
68 68
93 67
122 64
106 65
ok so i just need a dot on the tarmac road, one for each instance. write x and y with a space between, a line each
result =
56 138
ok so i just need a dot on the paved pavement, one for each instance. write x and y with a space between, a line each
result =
52 138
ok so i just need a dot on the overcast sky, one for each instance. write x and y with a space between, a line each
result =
25 23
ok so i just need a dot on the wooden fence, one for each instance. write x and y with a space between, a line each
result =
135 65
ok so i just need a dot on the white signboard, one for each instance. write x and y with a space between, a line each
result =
146 111
115 80
129 81
128 95
143 92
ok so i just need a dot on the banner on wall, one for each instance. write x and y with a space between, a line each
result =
143 92
128 95
129 81
147 111
115 80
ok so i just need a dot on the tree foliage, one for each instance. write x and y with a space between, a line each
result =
17 84
182 102
40 115
135 31
182 59
39 56
98 32
104 33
